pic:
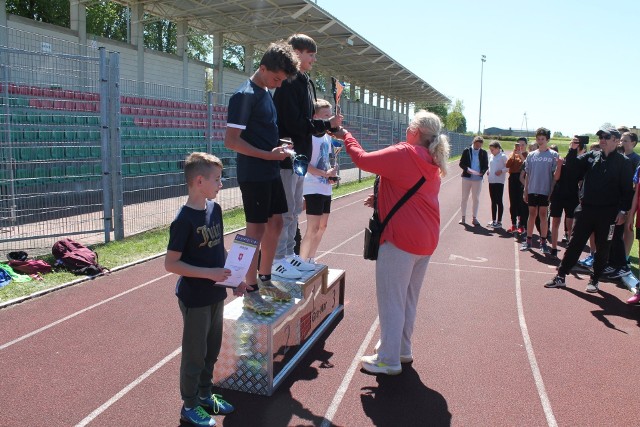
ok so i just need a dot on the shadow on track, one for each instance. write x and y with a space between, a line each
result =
404 400
610 305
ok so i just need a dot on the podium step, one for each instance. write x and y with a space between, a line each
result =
258 352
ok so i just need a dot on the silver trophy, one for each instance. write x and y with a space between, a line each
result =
300 161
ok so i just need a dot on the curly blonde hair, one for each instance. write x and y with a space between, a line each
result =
427 122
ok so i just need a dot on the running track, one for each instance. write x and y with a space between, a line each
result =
492 346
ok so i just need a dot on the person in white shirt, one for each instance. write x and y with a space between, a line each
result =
317 187
496 177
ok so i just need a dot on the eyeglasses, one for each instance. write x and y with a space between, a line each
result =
607 137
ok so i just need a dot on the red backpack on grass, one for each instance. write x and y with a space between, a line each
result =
76 257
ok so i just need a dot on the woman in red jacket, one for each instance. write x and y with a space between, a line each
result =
410 237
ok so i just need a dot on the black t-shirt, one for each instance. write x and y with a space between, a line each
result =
199 236
251 109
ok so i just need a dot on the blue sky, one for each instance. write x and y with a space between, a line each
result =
570 65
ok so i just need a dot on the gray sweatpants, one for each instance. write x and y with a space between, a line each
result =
201 341
399 277
293 186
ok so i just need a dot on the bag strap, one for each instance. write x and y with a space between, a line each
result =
398 204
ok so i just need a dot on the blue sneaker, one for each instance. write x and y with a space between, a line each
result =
197 416
587 262
216 404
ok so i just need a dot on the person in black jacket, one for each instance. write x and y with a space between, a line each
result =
607 195
474 163
294 106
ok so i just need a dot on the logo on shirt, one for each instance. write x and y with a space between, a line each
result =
211 236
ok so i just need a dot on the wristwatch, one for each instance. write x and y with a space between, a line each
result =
623 213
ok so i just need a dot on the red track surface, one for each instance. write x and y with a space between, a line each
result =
492 346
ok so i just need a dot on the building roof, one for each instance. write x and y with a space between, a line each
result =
343 52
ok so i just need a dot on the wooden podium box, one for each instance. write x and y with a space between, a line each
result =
258 352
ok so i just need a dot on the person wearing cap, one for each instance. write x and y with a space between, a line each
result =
515 163
607 195
539 167
474 163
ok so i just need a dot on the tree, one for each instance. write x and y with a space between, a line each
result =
107 19
440 110
455 120
54 12
557 134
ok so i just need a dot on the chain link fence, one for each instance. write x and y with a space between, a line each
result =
89 155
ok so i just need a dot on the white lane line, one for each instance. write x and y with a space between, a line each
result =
535 370
128 388
344 386
77 313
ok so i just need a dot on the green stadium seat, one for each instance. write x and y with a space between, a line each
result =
86 170
164 166
134 169
71 152
95 151
154 167
26 153
94 135
30 136
41 175
84 151
72 173
57 119
80 120
82 135
43 153
57 152
46 119
23 177
56 173
145 168
95 121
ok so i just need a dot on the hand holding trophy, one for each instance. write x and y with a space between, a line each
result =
300 161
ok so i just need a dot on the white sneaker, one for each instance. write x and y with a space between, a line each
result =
372 365
300 264
285 270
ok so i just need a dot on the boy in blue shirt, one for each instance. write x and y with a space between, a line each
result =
196 253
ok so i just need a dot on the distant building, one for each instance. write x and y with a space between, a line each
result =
507 132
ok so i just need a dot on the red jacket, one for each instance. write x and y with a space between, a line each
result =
415 227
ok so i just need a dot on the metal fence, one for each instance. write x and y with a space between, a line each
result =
89 155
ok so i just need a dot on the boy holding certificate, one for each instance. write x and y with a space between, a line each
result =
196 253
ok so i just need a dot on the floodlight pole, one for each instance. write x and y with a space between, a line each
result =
483 59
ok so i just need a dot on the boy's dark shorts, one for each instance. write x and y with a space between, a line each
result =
262 200
318 204
566 206
537 200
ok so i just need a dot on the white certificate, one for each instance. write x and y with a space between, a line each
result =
473 171
239 259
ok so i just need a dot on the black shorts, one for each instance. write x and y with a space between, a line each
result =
318 204
262 200
559 206
537 200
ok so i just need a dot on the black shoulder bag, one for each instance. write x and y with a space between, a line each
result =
374 231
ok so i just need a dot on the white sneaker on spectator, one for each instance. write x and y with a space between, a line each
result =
285 270
300 264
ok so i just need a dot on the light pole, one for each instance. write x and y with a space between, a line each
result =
483 59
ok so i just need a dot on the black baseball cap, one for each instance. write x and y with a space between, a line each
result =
609 131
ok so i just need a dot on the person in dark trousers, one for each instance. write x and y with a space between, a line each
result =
618 265
565 195
196 253
294 104
515 163
606 199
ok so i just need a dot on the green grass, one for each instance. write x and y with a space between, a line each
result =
138 247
